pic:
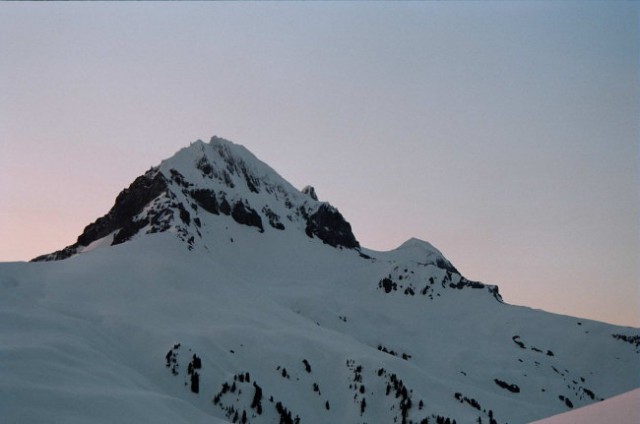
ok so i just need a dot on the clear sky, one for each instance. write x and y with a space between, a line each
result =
506 134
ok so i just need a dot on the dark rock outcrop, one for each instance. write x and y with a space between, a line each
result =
444 264
207 200
243 214
129 203
58 255
310 191
121 218
274 219
330 226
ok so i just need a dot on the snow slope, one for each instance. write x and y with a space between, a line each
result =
621 409
211 264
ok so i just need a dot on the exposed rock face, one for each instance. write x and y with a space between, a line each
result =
243 214
207 200
330 226
129 203
122 216
274 219
58 255
311 192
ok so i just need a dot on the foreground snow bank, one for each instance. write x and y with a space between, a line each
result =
622 409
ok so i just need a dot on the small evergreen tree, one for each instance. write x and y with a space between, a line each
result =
195 382
257 399
197 362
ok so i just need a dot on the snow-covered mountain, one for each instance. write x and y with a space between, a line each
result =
218 178
214 291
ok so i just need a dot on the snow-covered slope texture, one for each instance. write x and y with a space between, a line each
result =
621 409
214 291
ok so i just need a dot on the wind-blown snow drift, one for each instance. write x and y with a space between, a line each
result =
214 291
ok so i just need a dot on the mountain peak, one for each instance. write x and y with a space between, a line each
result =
202 189
220 140
422 252
416 243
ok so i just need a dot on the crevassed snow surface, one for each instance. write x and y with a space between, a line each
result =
283 325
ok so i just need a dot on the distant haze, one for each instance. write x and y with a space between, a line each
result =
506 134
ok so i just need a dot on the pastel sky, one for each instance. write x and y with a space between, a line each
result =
506 134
